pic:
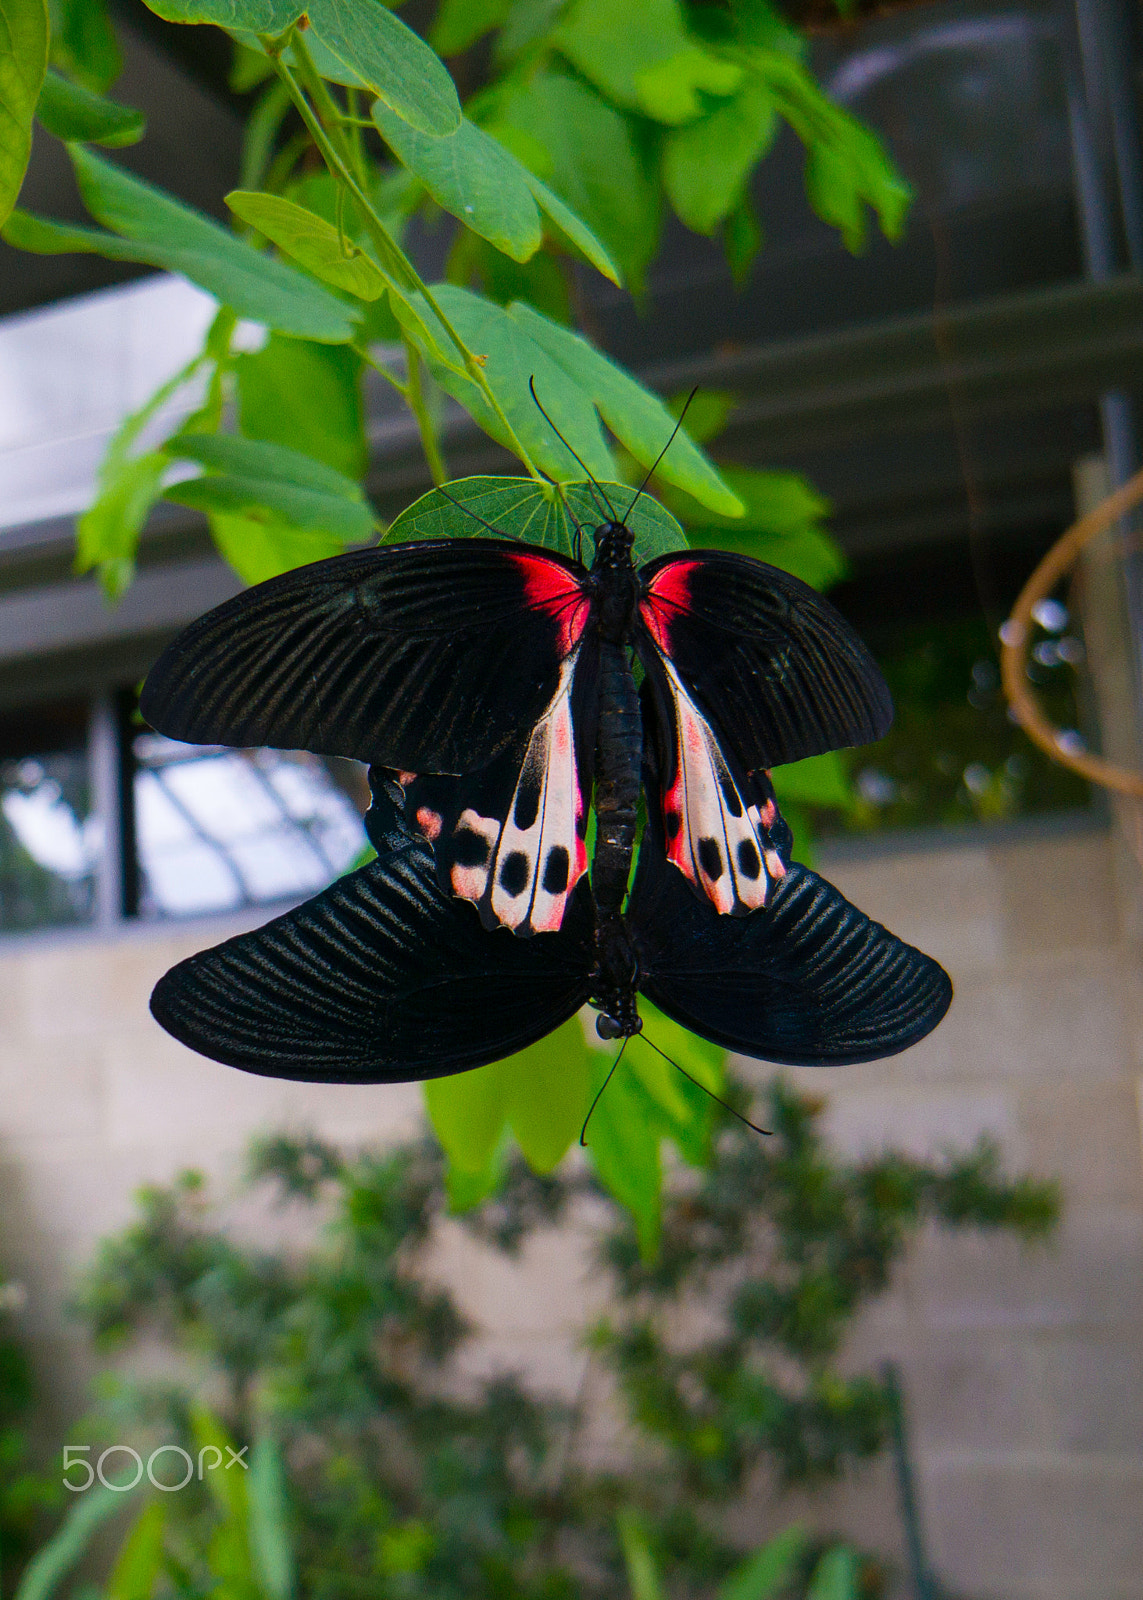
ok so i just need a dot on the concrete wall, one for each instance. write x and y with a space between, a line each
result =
1023 1370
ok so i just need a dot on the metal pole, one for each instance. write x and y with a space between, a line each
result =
920 1574
103 754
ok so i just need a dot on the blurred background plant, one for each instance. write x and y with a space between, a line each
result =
378 1467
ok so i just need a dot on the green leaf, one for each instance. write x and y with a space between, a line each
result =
23 61
270 17
653 67
71 112
570 230
847 167
307 396
742 239
262 546
521 508
139 1564
623 1145
769 1570
835 1577
468 1112
472 177
388 57
251 476
547 1094
159 231
54 1560
781 525
642 1574
227 1485
706 164
638 418
269 1520
460 23
84 44
817 780
311 241
589 159
107 533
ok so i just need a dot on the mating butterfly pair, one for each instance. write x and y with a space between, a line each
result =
497 680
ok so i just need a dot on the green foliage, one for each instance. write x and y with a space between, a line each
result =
72 112
391 1476
55 1560
23 61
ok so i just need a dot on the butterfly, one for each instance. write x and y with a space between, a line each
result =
509 670
386 976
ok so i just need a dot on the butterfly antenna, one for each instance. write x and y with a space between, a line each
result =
723 1103
599 1096
475 515
597 487
651 470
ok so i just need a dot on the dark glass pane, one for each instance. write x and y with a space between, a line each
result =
49 839
220 829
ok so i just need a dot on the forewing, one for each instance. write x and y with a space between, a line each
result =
779 673
382 978
427 656
807 981
510 837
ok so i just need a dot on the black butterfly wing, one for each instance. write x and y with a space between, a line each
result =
382 978
779 672
422 656
807 981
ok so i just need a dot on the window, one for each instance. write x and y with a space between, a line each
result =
49 835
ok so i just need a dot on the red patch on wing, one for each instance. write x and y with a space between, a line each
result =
558 593
668 592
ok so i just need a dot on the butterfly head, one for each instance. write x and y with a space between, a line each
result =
613 542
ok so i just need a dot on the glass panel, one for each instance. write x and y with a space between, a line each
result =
49 839
219 829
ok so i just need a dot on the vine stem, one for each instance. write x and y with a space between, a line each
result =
430 443
392 254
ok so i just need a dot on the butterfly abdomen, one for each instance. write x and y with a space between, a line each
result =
618 760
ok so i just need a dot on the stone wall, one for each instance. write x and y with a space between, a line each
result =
1023 1370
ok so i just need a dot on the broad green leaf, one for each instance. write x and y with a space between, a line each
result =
307 396
835 1576
547 1094
151 227
262 546
707 163
107 533
388 57
468 1112
638 418
227 1485
310 241
269 17
269 1520
847 167
251 476
139 1564
460 23
23 61
653 67
817 780
570 229
71 112
782 525
589 159
642 1575
84 43
509 357
742 239
521 508
623 1138
473 177
767 1572
54 1560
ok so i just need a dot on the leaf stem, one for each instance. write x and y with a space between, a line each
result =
392 256
430 443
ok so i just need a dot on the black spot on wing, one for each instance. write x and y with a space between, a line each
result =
730 795
556 870
748 863
514 873
710 859
469 848
527 797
